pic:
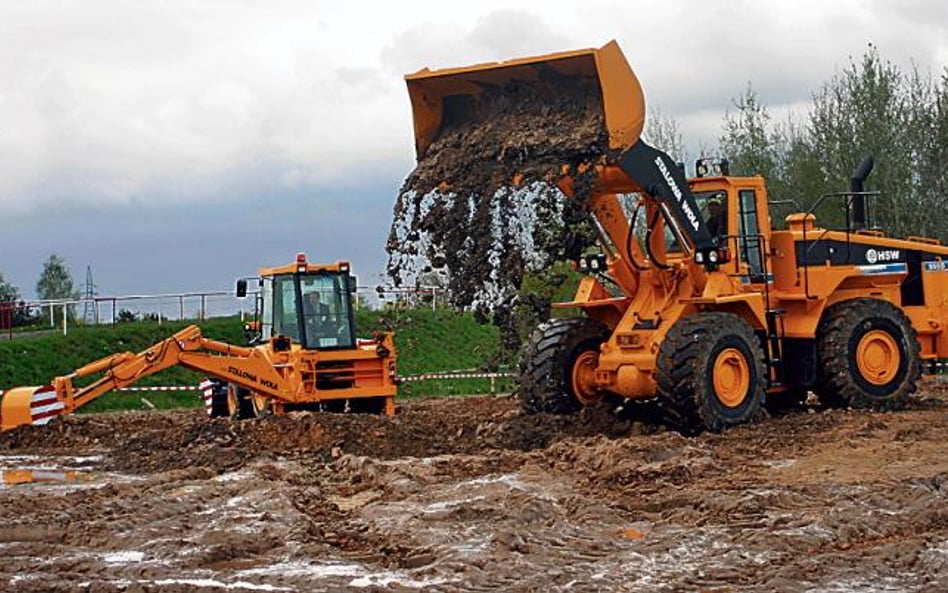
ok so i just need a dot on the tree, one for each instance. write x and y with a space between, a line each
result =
663 132
8 292
867 110
55 283
749 142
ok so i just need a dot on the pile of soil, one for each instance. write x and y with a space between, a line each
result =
459 211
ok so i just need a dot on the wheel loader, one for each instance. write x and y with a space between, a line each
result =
303 355
694 298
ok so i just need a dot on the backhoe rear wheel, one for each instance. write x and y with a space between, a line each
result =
868 355
239 406
711 373
558 368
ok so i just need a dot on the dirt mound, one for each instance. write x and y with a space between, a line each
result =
457 211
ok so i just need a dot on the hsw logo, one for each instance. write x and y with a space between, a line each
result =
882 255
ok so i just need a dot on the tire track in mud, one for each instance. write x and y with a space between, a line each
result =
467 494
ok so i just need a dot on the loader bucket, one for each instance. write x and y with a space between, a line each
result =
443 98
22 406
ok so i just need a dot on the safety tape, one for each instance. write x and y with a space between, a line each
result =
163 388
404 379
449 375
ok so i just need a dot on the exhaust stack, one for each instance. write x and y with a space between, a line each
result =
860 212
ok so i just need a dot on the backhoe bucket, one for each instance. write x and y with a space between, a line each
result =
447 98
23 406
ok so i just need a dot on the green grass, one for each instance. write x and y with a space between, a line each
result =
426 341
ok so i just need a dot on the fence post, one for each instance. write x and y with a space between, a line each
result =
159 311
203 305
64 319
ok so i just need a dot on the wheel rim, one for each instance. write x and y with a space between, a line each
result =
732 377
878 357
584 377
260 403
232 405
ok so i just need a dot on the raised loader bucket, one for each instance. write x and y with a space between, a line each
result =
452 97
22 406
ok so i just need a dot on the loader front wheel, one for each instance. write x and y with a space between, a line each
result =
711 373
869 356
558 368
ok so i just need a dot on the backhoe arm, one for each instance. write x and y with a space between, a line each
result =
248 367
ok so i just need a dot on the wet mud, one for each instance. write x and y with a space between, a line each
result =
467 494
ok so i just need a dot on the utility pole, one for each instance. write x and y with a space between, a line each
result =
90 313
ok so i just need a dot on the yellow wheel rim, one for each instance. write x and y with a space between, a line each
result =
260 403
232 405
583 380
731 377
878 357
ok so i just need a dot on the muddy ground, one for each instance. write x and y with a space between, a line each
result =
465 494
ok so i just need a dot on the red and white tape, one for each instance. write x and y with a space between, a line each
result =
453 375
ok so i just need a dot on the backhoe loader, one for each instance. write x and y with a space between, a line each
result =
302 356
710 311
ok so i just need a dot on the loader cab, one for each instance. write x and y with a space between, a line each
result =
739 206
310 304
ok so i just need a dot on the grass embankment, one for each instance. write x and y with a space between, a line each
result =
427 341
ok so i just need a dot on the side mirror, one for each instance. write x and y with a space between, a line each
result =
241 288
352 284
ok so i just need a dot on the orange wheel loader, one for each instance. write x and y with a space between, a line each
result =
694 298
304 356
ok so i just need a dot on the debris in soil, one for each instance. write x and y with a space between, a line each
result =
467 494
460 215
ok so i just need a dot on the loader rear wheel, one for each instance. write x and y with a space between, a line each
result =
711 373
239 406
869 356
558 368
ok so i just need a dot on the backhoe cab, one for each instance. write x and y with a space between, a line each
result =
309 304
695 299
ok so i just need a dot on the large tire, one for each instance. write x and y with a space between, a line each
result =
558 352
868 354
711 373
239 405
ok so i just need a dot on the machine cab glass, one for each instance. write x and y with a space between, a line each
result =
312 309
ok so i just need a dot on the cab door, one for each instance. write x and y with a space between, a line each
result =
753 234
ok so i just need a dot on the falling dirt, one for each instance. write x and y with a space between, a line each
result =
460 215
466 494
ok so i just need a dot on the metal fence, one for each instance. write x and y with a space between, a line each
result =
109 310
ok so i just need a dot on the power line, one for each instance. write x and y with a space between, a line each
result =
90 313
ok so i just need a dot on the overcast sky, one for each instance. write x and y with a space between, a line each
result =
176 146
